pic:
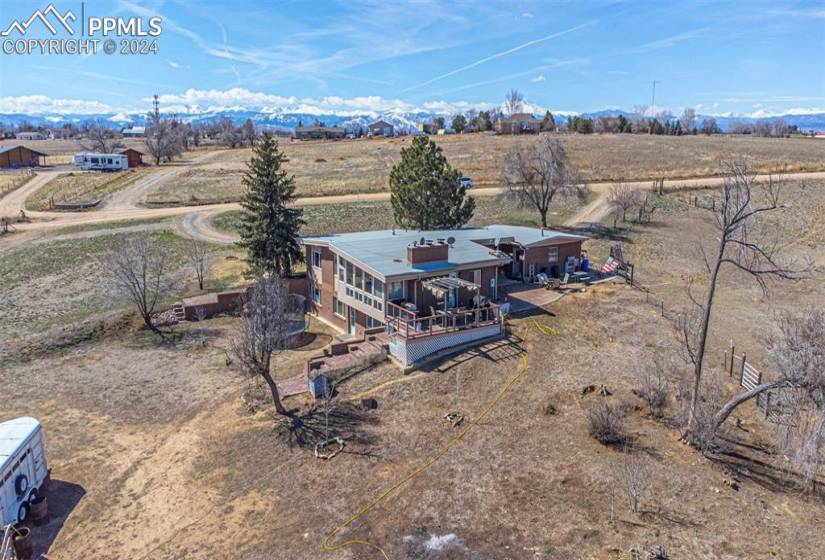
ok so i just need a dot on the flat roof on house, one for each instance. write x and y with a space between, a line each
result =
385 251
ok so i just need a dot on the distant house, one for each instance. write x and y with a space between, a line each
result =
381 128
428 128
30 136
320 132
519 123
20 156
134 156
134 132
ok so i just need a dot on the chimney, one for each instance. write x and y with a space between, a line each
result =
427 252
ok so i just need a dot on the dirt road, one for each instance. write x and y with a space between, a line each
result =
202 228
599 208
135 194
12 203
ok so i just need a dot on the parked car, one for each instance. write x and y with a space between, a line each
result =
22 468
466 182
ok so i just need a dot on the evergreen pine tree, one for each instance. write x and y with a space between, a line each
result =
269 229
425 190
548 123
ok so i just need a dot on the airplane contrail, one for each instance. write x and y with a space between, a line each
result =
499 55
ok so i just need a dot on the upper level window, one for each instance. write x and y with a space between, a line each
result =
378 288
553 254
316 258
316 295
396 290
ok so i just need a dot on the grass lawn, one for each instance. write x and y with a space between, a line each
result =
83 187
344 167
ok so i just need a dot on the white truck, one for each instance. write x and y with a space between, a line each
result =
22 468
101 162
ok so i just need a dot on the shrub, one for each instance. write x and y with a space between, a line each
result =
606 423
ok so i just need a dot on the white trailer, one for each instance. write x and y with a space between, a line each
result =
22 468
101 162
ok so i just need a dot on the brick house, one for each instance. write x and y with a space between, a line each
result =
429 290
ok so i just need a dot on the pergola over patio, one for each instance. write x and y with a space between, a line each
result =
440 287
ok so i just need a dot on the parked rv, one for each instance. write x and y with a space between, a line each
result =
101 162
22 468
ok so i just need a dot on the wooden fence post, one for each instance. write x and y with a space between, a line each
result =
725 360
767 403
732 349
663 308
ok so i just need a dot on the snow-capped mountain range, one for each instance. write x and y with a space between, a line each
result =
403 121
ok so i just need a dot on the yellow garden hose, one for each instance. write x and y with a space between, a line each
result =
329 546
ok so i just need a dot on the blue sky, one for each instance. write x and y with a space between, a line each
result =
749 57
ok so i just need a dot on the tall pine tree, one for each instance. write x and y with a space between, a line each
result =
269 229
425 190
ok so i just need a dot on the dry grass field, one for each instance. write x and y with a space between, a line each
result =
13 180
330 168
154 456
81 186
359 216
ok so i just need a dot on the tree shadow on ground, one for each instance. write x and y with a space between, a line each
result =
750 462
598 231
304 429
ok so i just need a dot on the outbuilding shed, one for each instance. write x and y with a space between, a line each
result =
20 156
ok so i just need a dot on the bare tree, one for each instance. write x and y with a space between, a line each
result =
621 198
513 101
636 479
198 257
101 138
140 270
535 173
653 382
267 320
687 119
164 136
740 245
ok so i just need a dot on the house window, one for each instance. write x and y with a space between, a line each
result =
372 323
396 290
316 295
350 274
378 288
367 283
359 279
339 307
316 258
475 277
553 255
342 270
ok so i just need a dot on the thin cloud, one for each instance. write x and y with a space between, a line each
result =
499 55
537 79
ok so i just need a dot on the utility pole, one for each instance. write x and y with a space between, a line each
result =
653 97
